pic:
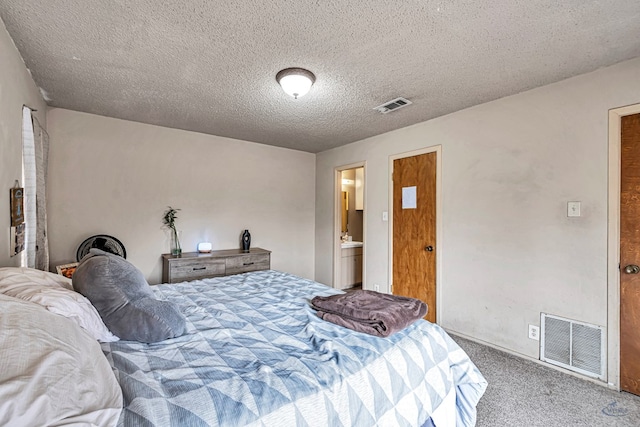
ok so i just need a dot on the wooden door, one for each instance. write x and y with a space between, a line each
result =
414 229
630 254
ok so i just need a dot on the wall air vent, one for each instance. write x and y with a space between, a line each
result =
573 345
394 104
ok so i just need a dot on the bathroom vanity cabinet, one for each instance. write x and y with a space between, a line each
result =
351 266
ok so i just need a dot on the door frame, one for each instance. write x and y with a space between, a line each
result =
337 225
439 242
613 244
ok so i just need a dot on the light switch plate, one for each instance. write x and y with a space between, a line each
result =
385 216
573 208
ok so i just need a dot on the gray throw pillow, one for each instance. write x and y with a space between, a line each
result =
122 296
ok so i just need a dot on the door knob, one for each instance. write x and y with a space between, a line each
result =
430 249
632 269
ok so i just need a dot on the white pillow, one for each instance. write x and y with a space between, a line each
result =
55 293
52 373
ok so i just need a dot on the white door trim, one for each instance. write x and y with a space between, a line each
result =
337 249
440 244
613 245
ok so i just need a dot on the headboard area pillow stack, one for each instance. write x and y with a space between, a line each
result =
122 296
54 292
51 372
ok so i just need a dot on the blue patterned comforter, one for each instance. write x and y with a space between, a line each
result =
256 354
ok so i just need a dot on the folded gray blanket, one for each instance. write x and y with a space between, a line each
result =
370 312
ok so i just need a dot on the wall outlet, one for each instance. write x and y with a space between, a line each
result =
534 332
376 288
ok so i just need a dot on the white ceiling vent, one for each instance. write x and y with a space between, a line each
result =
394 104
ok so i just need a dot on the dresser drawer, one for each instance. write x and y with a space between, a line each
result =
248 262
195 268
194 265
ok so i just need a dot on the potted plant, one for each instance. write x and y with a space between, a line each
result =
169 221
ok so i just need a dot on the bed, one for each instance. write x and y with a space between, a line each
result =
256 354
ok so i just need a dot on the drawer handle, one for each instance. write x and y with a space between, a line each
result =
199 268
248 263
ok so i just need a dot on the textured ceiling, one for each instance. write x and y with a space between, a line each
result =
209 66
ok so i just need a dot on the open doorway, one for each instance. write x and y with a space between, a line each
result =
349 230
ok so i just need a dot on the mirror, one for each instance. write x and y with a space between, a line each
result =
345 211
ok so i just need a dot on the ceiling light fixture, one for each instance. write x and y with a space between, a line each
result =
295 81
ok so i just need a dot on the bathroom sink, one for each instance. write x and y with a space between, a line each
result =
345 245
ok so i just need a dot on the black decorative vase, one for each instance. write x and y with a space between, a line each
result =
246 241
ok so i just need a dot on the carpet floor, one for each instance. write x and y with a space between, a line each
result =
525 393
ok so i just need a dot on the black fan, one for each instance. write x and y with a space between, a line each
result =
103 242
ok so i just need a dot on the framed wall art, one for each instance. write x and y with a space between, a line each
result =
17 206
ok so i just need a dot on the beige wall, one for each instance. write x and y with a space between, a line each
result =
509 167
16 89
117 177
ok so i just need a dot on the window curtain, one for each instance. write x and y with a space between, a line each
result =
35 158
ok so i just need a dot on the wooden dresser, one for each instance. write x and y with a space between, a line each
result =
194 265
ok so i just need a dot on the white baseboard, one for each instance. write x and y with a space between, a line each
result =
538 361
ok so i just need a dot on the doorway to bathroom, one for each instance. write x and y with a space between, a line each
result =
349 229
